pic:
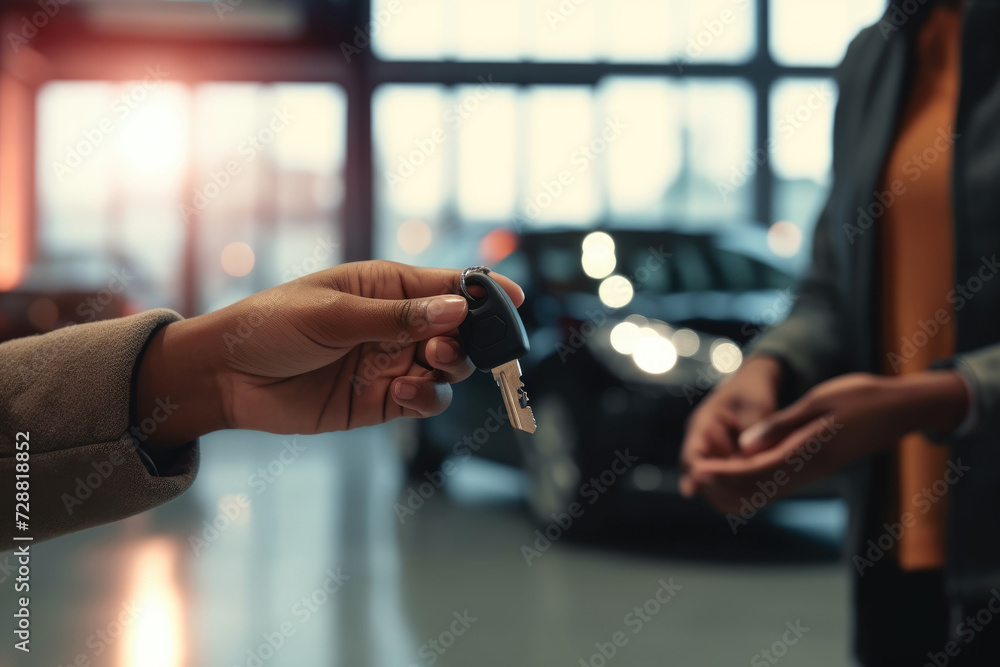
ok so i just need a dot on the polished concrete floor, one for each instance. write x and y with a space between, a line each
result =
305 561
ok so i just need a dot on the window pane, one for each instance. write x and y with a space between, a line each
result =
802 157
560 182
720 120
454 162
818 32
248 175
565 30
715 30
485 118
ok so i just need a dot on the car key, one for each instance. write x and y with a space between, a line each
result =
495 339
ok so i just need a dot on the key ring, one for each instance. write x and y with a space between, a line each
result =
465 272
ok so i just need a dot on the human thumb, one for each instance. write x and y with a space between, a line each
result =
356 319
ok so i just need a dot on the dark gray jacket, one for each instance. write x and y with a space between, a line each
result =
834 325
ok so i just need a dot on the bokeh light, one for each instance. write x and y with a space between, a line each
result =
686 342
237 259
414 236
654 353
497 245
616 292
726 356
598 257
784 238
623 337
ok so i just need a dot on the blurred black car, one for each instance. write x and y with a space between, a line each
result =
629 329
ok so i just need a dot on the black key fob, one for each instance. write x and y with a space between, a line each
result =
492 332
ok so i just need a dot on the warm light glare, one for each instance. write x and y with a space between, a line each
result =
497 246
414 236
686 342
237 259
153 139
726 356
624 336
153 635
654 354
616 292
784 238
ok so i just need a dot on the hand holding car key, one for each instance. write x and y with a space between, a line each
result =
495 339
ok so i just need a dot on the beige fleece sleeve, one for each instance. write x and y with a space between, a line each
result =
67 394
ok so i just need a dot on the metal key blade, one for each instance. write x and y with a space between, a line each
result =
508 377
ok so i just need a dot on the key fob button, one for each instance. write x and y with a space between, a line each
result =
489 332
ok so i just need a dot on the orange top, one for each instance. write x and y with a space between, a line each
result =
917 267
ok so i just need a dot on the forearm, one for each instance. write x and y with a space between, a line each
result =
177 395
937 401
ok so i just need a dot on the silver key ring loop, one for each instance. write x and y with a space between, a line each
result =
465 272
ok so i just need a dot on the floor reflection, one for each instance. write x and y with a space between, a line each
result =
293 552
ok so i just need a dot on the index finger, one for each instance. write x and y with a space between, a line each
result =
766 461
415 281
429 282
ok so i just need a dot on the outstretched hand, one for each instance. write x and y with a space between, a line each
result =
835 423
356 345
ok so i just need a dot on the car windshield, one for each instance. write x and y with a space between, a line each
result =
654 263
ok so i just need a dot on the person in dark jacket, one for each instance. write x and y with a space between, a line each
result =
889 363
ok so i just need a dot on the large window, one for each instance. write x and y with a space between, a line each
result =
200 195
634 113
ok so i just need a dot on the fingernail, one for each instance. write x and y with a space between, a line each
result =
446 353
750 436
445 309
405 390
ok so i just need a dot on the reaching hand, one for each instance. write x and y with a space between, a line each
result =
835 423
351 346
746 398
